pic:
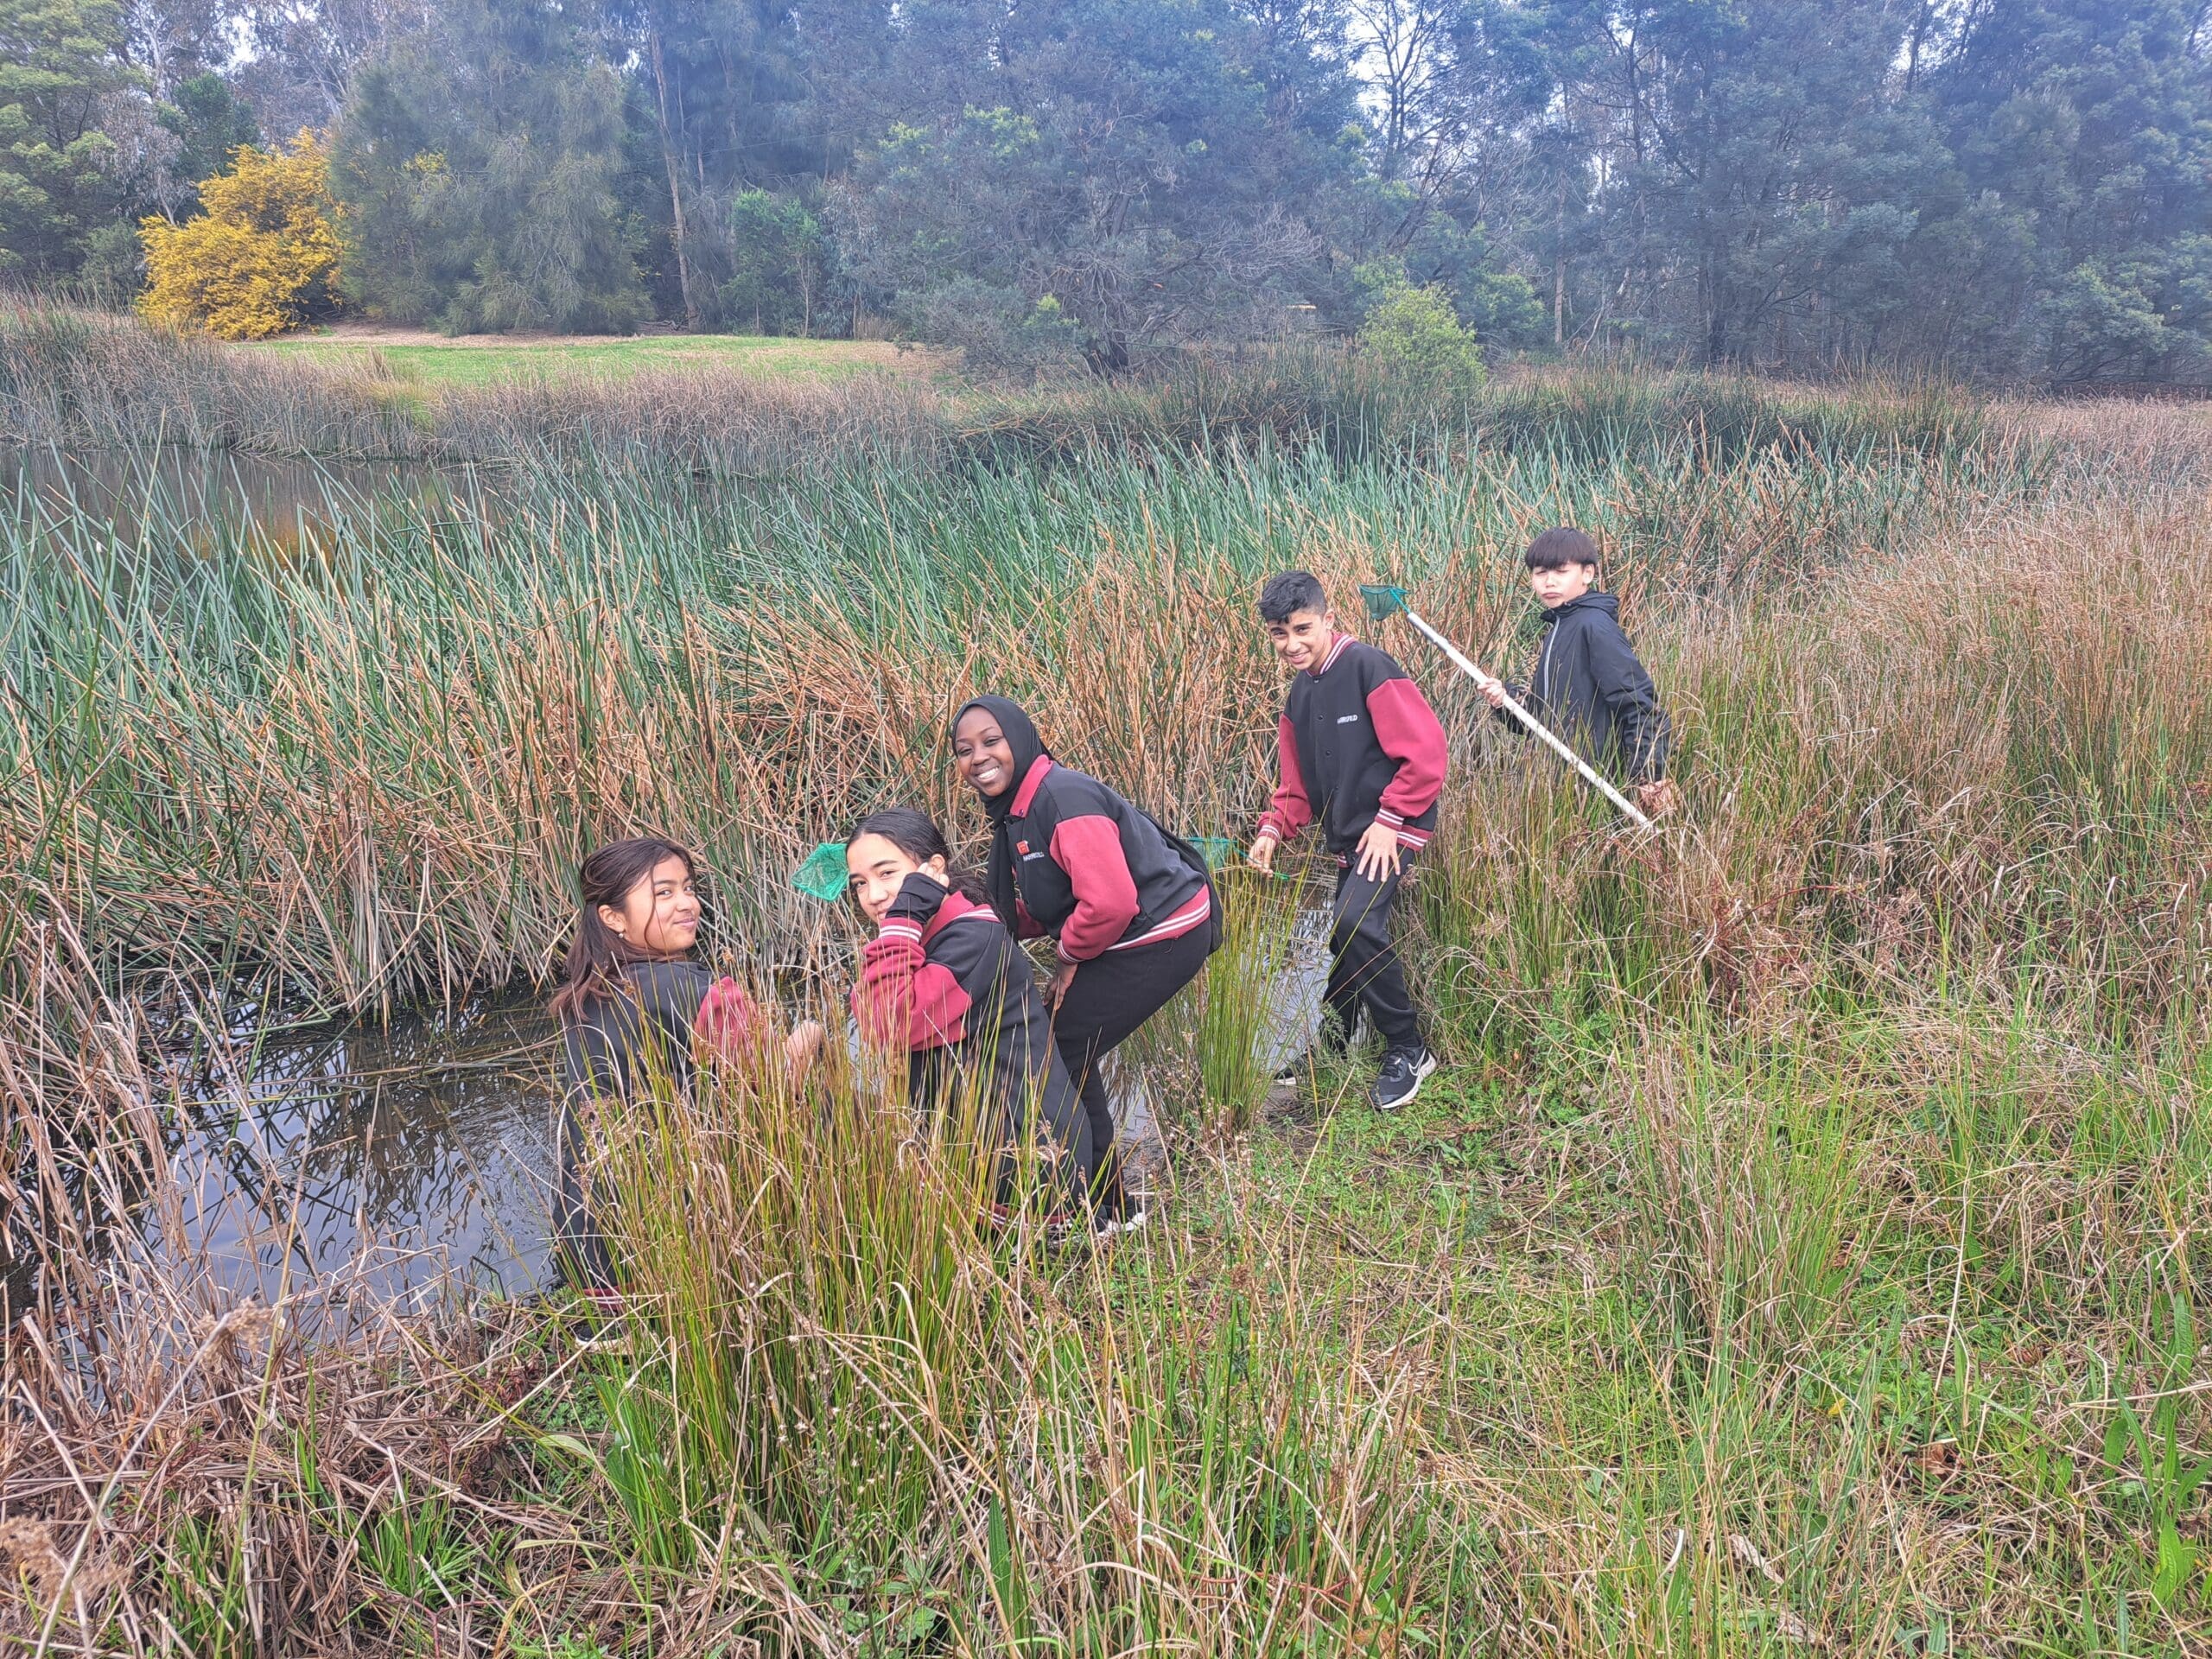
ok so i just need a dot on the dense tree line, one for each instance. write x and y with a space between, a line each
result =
2019 189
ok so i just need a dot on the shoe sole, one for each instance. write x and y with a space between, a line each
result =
1126 1225
1421 1073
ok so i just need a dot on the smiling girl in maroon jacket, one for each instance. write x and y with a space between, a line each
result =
944 983
1130 907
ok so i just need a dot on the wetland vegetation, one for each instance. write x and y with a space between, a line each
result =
1804 1249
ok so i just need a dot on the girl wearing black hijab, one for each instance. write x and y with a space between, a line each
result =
1130 905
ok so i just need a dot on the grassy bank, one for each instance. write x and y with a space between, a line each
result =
436 364
81 381
1804 1250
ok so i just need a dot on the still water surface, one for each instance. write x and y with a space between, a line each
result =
180 494
417 1161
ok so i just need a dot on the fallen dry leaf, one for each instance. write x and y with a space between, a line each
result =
1938 1457
1748 1553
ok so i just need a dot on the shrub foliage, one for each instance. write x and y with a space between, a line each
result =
262 258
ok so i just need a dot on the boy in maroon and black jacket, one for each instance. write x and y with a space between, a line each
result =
1362 752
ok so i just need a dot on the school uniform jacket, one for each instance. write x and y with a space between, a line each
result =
647 1025
1358 744
944 981
1589 688
1093 871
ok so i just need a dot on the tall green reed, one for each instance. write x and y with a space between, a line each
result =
1240 1027
365 774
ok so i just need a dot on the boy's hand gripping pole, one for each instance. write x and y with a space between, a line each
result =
1385 601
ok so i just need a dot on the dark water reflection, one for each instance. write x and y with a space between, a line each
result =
181 495
417 1161
397 1161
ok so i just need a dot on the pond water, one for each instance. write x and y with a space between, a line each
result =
181 492
389 1161
416 1160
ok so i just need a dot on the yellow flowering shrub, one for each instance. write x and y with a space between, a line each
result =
261 258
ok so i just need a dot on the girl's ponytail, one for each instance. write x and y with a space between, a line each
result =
597 953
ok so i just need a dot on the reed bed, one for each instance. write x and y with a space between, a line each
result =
1803 1252
359 768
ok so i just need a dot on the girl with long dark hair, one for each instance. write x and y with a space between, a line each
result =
944 983
1130 907
636 1006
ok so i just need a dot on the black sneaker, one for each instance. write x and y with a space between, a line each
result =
1400 1079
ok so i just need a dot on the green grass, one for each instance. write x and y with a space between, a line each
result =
436 365
1804 1249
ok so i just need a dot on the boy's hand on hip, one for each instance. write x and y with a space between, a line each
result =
1057 987
1261 854
1378 858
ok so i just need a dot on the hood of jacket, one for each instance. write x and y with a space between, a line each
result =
1605 604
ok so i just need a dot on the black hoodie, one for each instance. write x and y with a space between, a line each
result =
1589 688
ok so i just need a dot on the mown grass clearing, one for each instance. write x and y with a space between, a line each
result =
467 361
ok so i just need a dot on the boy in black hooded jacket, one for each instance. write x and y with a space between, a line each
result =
1587 685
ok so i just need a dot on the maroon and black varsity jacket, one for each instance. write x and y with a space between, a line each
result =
1093 871
1358 744
945 983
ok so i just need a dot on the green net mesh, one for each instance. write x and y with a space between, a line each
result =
823 875
1383 601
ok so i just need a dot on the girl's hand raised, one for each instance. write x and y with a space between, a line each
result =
920 897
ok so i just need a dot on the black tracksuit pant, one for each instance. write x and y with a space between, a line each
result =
1110 997
1364 958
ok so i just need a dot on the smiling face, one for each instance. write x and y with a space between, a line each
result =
980 753
1561 584
660 915
874 868
1302 638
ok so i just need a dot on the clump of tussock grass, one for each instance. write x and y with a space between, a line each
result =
1238 1030
937 1428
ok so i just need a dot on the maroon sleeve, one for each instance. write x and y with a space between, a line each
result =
1025 926
1289 810
729 1021
1090 849
905 1001
1409 732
